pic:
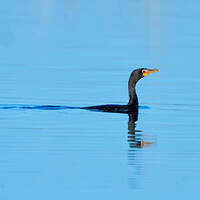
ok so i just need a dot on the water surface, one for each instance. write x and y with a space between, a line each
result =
81 53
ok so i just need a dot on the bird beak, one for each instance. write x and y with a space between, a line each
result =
149 71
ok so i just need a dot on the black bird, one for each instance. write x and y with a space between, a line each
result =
132 106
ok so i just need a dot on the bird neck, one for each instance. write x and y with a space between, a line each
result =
133 99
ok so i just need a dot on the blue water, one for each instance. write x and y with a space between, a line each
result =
67 54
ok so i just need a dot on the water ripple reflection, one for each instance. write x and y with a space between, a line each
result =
136 141
44 107
135 138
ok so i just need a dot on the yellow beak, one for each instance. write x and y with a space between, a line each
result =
150 72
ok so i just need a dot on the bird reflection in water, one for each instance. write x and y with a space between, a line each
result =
134 138
136 141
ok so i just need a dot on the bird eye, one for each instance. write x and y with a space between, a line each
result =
144 71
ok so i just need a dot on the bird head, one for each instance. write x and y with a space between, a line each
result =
141 72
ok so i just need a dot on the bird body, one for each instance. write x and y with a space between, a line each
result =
111 108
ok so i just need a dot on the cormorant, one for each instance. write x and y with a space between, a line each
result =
132 106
